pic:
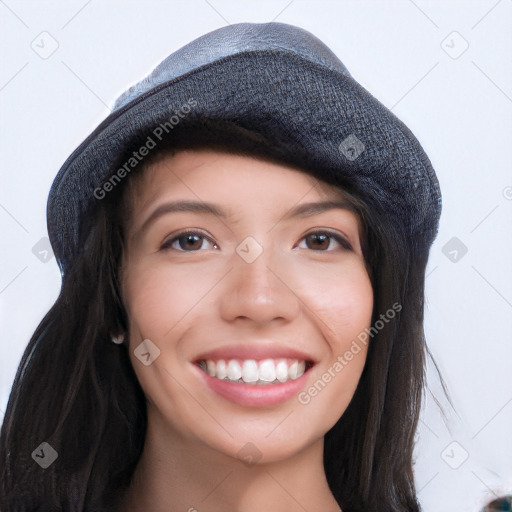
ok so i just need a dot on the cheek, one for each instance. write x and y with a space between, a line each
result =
158 297
341 304
340 299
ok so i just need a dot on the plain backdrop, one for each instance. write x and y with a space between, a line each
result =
443 67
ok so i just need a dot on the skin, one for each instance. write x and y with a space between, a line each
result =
187 299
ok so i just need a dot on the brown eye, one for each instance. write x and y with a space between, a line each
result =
321 241
190 241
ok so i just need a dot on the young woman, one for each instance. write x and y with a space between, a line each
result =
243 244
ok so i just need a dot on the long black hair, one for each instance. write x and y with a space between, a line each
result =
77 391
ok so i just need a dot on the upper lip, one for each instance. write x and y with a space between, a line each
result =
255 350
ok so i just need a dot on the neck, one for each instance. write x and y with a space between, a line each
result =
177 474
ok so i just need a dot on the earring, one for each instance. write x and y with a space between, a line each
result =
118 339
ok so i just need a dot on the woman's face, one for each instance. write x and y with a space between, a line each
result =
231 270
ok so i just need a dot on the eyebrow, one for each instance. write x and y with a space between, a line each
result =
301 210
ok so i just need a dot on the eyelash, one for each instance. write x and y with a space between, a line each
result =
167 245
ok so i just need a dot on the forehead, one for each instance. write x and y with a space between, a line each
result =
206 173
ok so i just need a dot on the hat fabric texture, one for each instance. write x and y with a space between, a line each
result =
273 78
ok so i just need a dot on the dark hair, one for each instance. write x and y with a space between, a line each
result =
501 504
77 391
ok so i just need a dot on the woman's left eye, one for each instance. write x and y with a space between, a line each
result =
320 241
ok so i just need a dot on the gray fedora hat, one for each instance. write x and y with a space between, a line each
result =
273 78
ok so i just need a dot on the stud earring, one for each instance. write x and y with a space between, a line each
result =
118 339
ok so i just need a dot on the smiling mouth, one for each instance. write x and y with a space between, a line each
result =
255 372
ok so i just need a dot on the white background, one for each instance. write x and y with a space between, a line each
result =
459 105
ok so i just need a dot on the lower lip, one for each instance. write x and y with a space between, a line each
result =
255 395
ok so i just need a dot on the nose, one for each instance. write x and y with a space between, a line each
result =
259 292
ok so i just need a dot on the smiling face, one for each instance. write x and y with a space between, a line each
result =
251 282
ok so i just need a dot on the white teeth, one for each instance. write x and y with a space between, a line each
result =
251 371
210 366
282 371
267 371
222 371
293 370
234 370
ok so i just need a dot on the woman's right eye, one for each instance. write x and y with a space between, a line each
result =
187 241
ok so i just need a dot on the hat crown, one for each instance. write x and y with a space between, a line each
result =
232 40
